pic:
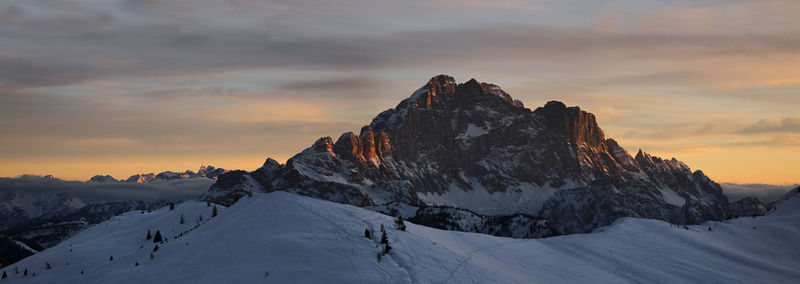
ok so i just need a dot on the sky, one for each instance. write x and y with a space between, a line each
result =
131 86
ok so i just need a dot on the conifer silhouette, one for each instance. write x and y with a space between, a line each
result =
158 238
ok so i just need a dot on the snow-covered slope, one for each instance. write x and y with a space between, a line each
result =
285 238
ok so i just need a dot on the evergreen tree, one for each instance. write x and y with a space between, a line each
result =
384 238
367 234
137 264
111 258
5 275
382 230
149 236
155 248
171 206
16 270
214 212
157 238
208 203
182 220
25 273
151 255
81 271
387 248
47 265
399 224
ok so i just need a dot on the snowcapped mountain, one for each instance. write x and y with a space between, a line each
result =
471 146
204 172
43 211
286 238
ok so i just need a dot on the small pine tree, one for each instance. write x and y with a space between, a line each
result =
16 270
709 229
200 218
208 203
149 236
182 220
152 256
47 265
155 248
384 238
25 273
5 275
81 271
158 238
367 234
399 224
137 264
171 206
386 249
382 230
214 212
111 258
379 257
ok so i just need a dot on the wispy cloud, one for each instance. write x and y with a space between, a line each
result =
190 77
784 125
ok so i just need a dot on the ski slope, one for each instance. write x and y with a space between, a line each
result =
284 238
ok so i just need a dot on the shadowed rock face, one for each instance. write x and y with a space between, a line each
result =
472 146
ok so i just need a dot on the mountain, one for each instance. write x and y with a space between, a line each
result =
204 172
471 146
286 238
103 179
43 211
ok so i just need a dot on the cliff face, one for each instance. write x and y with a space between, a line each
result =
472 146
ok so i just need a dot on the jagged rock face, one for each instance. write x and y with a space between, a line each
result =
472 146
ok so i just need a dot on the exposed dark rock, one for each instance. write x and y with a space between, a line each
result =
472 146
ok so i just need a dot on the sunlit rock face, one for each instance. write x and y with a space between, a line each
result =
472 146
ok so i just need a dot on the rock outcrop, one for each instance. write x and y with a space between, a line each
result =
472 146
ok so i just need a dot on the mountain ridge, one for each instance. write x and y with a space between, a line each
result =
472 146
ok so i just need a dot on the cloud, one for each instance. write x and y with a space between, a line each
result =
765 193
66 48
192 77
784 125
333 84
103 192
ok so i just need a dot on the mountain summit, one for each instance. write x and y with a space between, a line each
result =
472 146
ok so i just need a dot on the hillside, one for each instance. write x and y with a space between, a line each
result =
281 237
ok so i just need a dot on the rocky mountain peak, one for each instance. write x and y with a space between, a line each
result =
474 147
578 126
102 179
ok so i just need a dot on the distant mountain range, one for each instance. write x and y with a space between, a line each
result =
473 151
204 171
41 211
